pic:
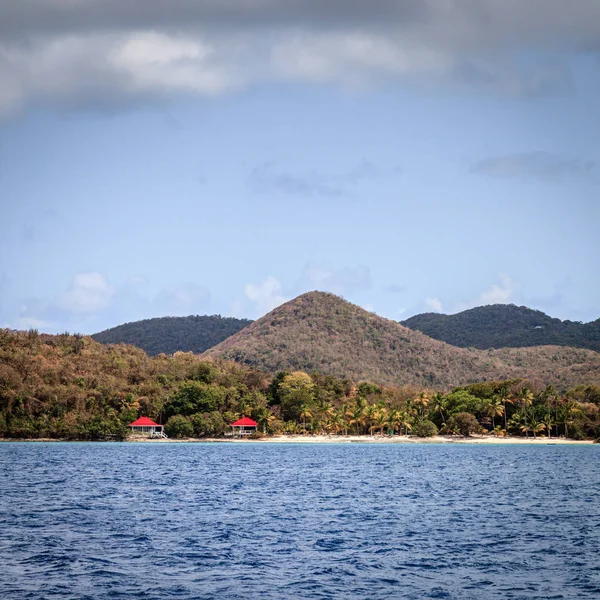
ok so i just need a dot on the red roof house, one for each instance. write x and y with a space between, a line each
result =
146 425
144 422
245 426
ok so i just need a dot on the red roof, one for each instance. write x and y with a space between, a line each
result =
143 422
245 422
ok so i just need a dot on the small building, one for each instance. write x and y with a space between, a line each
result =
244 426
146 425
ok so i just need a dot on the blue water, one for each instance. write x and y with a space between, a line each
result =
299 521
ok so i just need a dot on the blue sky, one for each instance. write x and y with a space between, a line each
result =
226 157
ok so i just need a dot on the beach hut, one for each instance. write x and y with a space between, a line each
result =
146 425
244 426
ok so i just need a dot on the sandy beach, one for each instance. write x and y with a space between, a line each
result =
341 439
377 439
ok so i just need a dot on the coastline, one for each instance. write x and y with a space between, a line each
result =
340 439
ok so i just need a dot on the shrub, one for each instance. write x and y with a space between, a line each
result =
179 426
424 429
466 424
208 424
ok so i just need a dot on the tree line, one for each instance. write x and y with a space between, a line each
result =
70 387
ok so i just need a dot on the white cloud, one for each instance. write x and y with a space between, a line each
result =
433 304
109 51
266 295
108 68
351 56
89 292
499 293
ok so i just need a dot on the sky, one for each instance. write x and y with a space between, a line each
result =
224 156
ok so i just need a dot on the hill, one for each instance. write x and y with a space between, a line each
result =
173 334
322 332
69 386
506 326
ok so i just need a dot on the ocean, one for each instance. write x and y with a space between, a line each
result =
277 521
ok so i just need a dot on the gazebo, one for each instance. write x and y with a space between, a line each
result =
244 426
146 425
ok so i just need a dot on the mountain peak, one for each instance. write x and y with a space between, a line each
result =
322 332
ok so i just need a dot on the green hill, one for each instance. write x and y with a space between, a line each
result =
506 326
324 333
172 334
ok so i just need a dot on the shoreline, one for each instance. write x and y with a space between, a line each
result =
339 439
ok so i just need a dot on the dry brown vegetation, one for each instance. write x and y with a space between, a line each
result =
322 332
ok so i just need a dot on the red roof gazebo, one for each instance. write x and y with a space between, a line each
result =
245 426
146 425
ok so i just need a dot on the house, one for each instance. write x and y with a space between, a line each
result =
244 426
146 425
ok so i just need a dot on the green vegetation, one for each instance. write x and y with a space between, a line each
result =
506 326
173 334
324 333
72 387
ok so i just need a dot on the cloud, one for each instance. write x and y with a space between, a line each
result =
92 303
547 79
89 292
265 178
433 304
343 281
541 166
266 295
499 293
110 53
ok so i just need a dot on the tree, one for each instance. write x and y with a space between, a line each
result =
438 404
424 428
305 413
495 409
505 397
179 426
466 424
296 391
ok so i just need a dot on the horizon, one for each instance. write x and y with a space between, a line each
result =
222 159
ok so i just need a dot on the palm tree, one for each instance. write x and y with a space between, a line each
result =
536 426
305 413
335 424
325 412
394 421
345 415
438 403
506 398
569 412
548 422
357 416
495 409
371 415
422 401
405 421
380 419
266 418
525 400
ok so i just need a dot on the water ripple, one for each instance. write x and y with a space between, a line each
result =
187 521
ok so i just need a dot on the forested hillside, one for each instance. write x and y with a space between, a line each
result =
172 334
72 387
506 326
322 332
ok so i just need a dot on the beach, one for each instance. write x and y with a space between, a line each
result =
377 439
